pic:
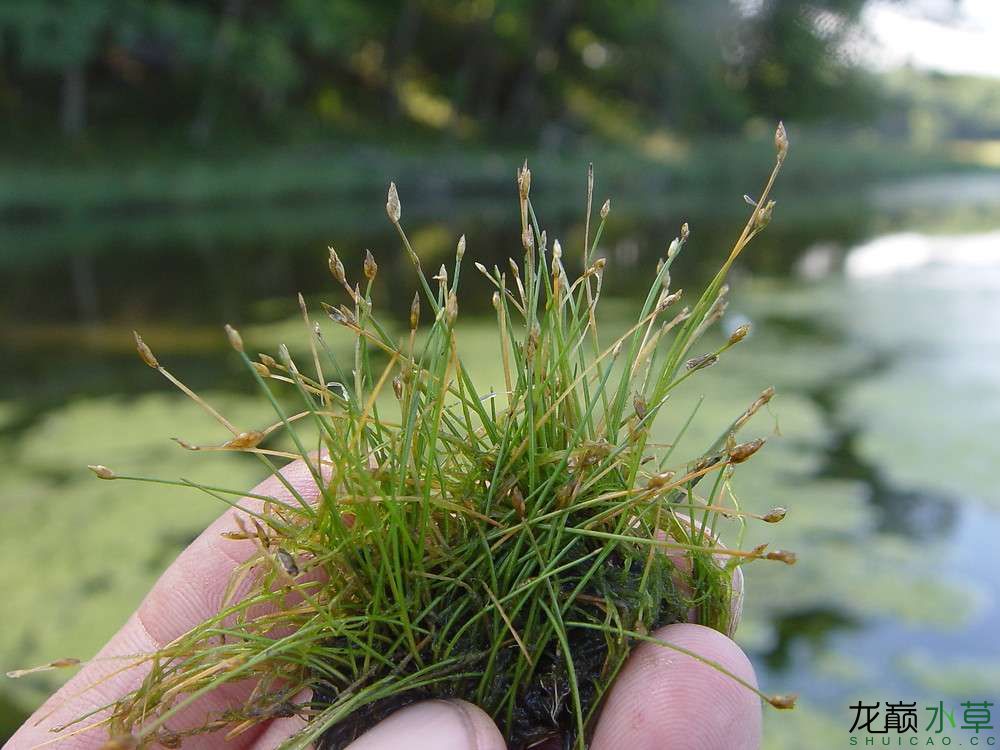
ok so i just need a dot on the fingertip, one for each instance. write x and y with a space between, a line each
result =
433 725
663 698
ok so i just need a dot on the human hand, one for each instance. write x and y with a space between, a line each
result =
661 699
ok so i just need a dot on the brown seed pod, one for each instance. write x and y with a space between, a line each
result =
287 562
169 740
415 312
517 500
370 267
145 352
783 701
781 141
68 661
639 404
659 480
235 340
245 440
789 558
102 472
337 267
740 453
392 207
700 363
524 181
764 216
775 514
739 334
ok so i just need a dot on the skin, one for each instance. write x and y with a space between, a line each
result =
661 700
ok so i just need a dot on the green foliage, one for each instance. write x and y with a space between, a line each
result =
465 67
507 547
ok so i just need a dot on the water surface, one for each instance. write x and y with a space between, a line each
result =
875 315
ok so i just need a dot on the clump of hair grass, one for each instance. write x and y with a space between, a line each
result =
508 548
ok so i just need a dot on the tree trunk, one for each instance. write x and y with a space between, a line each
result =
73 108
204 121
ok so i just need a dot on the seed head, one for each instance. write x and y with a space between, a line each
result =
415 311
524 181
451 308
336 267
442 275
700 363
783 701
740 453
69 661
667 299
685 232
235 340
606 209
460 249
517 500
659 480
145 352
527 238
764 216
392 207
287 562
639 404
531 344
245 440
496 300
261 369
397 387
370 266
102 472
788 558
336 314
268 361
781 141
775 514
739 334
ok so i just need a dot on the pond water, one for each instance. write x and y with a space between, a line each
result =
875 315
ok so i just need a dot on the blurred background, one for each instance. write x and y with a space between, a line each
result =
171 165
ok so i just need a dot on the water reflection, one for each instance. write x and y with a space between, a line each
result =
881 334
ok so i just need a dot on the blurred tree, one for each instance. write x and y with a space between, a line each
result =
60 37
500 65
795 59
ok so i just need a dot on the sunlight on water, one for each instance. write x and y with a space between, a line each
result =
953 259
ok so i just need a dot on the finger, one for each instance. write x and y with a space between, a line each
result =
190 591
682 560
665 699
433 725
